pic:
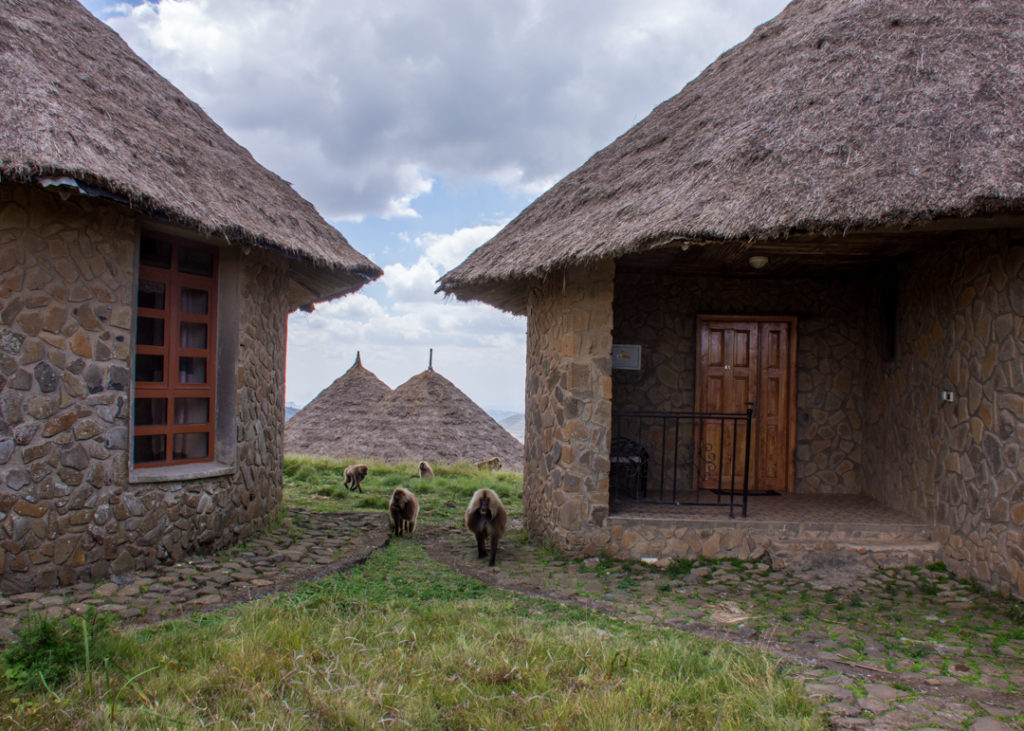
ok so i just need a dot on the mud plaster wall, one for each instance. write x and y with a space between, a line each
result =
659 312
960 328
67 510
568 408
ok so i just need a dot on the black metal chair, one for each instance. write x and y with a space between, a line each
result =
628 476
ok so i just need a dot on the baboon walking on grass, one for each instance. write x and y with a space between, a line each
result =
403 509
486 517
354 476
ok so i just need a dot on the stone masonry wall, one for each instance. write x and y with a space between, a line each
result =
960 464
568 408
659 312
67 510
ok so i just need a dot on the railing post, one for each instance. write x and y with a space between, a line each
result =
746 460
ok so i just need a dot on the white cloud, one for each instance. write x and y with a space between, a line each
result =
475 346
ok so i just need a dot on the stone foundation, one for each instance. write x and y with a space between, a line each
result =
69 510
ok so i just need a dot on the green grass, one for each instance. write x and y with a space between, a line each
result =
401 641
404 642
317 483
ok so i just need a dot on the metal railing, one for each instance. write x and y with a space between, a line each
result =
681 458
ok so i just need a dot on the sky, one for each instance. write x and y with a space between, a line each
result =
418 128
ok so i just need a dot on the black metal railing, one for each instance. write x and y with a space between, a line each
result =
681 458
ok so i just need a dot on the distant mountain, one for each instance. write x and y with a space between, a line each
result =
290 410
515 424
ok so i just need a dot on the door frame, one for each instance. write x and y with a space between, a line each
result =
791 320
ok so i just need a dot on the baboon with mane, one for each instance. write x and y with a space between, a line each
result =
425 472
489 464
403 509
354 476
486 518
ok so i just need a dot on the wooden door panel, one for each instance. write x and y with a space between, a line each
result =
730 378
743 362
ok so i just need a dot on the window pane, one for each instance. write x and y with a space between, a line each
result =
151 294
195 301
150 411
151 331
155 253
191 410
191 370
191 446
149 368
195 261
150 448
193 335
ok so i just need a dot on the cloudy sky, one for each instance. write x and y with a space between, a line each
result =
418 128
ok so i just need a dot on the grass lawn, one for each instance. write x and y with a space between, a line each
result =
399 642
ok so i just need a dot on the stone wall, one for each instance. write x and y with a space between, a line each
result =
960 465
68 511
568 408
659 312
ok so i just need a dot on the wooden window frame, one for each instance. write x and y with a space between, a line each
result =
170 387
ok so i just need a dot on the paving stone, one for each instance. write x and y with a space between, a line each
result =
990 724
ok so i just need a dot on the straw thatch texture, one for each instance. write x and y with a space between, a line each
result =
426 418
337 414
77 102
835 115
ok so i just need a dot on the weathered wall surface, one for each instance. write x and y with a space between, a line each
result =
960 464
568 408
67 510
659 312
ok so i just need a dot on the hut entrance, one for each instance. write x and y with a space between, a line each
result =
747 362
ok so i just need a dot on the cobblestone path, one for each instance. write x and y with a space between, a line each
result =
305 546
891 649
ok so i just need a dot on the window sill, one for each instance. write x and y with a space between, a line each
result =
180 472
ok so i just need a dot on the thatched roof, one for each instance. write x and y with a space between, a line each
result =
338 414
836 115
426 418
76 101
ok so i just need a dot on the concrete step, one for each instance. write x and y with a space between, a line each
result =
808 554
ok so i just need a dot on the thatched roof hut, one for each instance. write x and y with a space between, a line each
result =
78 103
338 414
832 117
427 417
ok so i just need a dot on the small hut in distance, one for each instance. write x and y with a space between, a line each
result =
425 418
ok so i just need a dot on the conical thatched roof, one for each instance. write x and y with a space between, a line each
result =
426 418
338 414
836 115
76 101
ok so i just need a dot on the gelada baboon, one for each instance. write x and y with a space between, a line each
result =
403 508
489 464
354 476
486 517
425 472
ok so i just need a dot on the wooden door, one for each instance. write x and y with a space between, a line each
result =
741 362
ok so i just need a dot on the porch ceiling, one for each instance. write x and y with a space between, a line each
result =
807 254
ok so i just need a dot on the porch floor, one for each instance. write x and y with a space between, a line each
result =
785 508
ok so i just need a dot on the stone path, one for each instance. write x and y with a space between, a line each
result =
305 546
891 649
